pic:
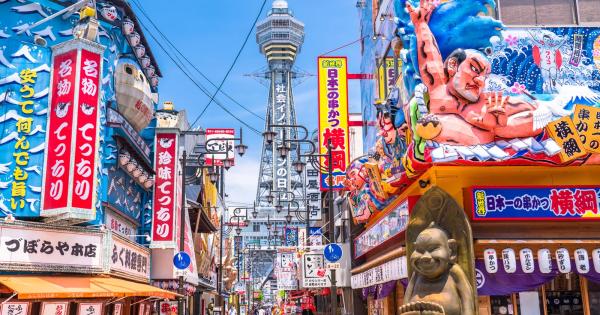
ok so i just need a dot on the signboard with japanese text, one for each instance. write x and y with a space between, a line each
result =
55 308
587 123
281 116
285 271
119 225
129 259
535 203
24 93
164 202
71 159
389 226
333 119
42 248
395 269
15 308
313 192
314 274
89 309
564 133
387 75
225 148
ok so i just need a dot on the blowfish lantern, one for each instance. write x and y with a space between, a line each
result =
128 26
134 94
150 71
145 61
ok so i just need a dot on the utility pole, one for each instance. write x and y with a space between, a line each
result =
181 305
331 227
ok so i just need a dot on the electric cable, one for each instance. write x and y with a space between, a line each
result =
234 61
343 46
177 51
198 85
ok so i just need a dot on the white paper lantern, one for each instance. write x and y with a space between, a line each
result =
582 260
527 262
128 26
140 51
131 165
563 260
596 259
545 260
134 39
491 260
509 260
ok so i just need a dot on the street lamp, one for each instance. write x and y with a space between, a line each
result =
269 135
270 198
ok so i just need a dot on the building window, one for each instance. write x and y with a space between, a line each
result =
549 12
255 227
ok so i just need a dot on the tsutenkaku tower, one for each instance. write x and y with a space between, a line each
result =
280 37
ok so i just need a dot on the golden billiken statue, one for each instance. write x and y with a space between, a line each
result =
437 284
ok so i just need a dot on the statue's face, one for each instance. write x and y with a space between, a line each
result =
387 129
432 255
470 76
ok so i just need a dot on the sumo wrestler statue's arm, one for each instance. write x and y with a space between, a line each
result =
431 64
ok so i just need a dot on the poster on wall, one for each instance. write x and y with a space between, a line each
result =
117 308
89 309
55 308
15 308
167 308
333 119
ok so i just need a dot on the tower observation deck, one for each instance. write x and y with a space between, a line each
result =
280 37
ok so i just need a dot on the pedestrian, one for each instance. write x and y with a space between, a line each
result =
262 311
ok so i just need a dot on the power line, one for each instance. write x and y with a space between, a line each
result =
343 46
234 61
198 85
178 52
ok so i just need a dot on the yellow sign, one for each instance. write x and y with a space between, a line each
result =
387 75
564 133
333 119
587 124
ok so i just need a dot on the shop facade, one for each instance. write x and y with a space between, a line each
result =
529 189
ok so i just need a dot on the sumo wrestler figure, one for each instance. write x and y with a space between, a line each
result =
467 115
437 285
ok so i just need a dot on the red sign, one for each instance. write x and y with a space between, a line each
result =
224 151
165 167
72 137
86 139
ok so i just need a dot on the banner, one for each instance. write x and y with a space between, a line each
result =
535 203
220 146
165 167
333 119
71 159
387 75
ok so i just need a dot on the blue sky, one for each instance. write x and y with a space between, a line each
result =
210 33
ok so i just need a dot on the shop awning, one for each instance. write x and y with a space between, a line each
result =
50 287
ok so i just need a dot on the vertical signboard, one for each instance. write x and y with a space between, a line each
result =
225 151
69 183
387 74
281 165
165 167
55 308
333 119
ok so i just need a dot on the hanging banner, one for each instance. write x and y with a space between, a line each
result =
15 308
55 308
165 167
224 148
89 309
71 160
333 119
387 76
535 203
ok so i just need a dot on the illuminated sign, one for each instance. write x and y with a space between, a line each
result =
333 119
165 167
535 203
73 119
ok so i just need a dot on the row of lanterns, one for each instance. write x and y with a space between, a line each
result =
174 285
544 257
135 170
140 51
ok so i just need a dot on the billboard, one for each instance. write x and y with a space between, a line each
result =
225 152
69 184
333 119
